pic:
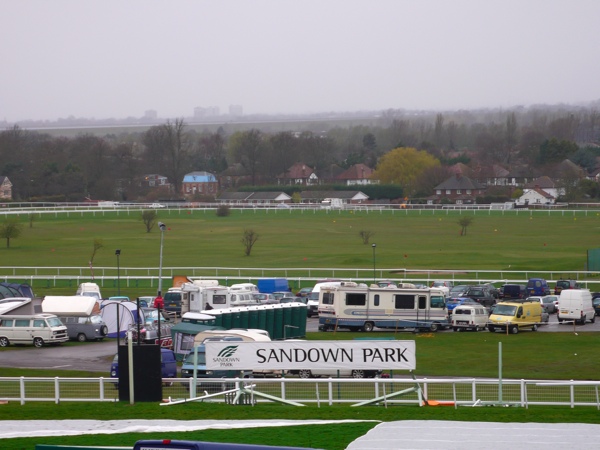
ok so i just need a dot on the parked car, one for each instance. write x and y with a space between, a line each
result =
565 284
547 302
304 292
265 299
149 328
514 291
493 289
596 303
168 365
280 294
453 302
458 290
481 295
538 287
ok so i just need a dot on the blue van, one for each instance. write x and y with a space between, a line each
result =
537 287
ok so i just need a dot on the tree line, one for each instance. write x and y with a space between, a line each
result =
46 167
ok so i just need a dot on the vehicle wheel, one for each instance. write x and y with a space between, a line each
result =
81 337
104 330
358 373
368 327
38 342
491 328
514 330
454 329
4 342
434 327
560 320
593 319
534 328
304 373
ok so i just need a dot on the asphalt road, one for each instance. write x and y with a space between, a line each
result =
97 356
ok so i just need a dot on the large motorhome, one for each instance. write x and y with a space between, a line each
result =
358 307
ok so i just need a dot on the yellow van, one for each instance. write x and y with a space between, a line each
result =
512 316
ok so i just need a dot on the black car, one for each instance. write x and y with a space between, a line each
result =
481 295
514 291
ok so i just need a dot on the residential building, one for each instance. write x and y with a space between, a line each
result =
457 189
299 173
199 183
5 188
154 180
358 174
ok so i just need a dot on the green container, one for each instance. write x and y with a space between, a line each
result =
218 315
253 318
270 321
299 320
262 318
226 320
277 324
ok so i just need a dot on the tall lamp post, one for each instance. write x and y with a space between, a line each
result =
118 254
374 266
162 228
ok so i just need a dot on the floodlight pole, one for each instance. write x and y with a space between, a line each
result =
162 228
118 253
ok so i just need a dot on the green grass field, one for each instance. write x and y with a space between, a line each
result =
500 242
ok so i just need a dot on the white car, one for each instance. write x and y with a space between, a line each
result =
157 205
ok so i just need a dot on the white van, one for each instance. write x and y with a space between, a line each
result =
36 329
576 305
469 317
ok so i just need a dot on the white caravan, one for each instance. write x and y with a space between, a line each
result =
358 307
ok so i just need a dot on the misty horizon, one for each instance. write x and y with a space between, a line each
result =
113 60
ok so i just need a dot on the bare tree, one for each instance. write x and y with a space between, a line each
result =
249 239
97 246
464 222
366 235
149 218
10 229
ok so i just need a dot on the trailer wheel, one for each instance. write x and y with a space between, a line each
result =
358 373
368 327
304 373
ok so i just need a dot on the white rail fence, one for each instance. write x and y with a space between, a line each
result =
323 392
132 276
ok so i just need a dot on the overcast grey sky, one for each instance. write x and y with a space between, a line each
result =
119 58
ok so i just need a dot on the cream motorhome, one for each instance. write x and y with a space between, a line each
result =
197 297
36 329
358 307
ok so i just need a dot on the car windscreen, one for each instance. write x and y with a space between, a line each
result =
505 310
189 359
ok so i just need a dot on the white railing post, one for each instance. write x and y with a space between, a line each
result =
22 389
56 390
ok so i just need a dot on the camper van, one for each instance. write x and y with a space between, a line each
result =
36 329
576 305
469 317
511 316
89 290
358 307
80 314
